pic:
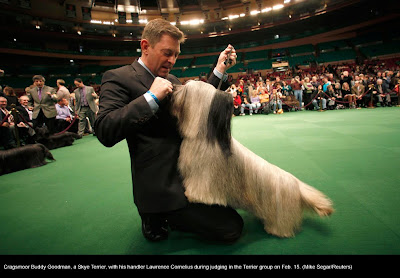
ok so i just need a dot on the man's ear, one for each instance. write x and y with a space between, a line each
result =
144 44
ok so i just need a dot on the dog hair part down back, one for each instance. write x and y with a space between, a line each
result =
217 169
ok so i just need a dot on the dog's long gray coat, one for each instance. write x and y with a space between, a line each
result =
217 169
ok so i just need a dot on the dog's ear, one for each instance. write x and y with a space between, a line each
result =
219 121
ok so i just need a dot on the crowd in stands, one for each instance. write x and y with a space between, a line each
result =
352 86
56 109
321 88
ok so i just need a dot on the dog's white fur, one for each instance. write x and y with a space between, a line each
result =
240 180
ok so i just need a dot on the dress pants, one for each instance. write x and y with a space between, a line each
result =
42 119
210 222
84 112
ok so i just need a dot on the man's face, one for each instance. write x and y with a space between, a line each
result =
23 101
161 57
78 84
39 83
3 103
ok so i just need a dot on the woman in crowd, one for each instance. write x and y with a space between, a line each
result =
347 95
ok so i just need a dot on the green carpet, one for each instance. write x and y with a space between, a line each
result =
82 202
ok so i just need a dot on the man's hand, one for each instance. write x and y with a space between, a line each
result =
221 67
161 87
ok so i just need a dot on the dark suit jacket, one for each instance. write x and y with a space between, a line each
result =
153 140
24 114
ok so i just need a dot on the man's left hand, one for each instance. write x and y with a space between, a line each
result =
221 67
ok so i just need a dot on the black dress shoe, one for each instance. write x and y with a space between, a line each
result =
154 227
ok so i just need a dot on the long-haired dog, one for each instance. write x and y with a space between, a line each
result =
29 156
217 169
54 141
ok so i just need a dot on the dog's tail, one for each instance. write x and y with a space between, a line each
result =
315 200
46 151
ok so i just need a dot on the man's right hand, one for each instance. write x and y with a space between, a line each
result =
161 87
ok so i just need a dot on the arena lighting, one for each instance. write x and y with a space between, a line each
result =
192 22
286 2
266 10
277 7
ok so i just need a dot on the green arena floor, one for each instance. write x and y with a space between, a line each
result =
82 202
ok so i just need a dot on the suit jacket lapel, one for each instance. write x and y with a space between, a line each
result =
143 75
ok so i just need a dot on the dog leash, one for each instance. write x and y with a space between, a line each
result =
227 61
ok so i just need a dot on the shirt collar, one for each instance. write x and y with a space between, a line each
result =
143 65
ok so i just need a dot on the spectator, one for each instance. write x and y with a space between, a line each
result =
347 95
84 105
276 96
43 99
246 104
298 93
330 93
25 125
382 93
286 89
358 91
338 96
62 91
7 127
345 78
64 117
320 99
255 101
308 89
237 101
11 97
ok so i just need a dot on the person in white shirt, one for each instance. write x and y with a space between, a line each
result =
64 117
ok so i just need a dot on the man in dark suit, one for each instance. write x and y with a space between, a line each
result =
133 106
43 99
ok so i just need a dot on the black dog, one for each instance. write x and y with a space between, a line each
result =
29 156
55 141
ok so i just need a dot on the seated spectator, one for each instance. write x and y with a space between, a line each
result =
7 140
286 89
237 101
338 96
396 90
358 90
330 93
276 96
320 99
11 97
246 104
383 93
347 95
26 132
255 101
64 117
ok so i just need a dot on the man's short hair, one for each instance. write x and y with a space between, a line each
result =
156 28
38 77
78 80
61 82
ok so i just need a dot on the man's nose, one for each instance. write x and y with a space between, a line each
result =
172 60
